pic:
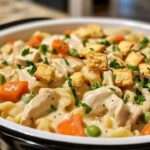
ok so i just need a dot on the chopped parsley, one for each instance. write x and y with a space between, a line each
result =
104 42
2 79
143 82
4 62
133 68
115 64
67 36
95 85
84 42
25 52
139 98
45 61
73 52
115 48
77 101
144 42
86 107
66 62
31 67
43 49
52 109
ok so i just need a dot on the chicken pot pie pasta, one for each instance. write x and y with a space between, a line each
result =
88 82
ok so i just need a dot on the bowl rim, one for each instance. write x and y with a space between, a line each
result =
27 131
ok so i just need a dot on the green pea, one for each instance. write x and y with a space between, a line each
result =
147 116
2 79
93 131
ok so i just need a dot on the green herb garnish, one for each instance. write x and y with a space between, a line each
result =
67 36
73 52
43 48
133 68
45 61
115 64
84 42
144 42
2 79
77 101
95 85
25 52
139 98
31 67
104 42
52 109
115 48
86 108
66 62
4 62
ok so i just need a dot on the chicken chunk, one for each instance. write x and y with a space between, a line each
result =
25 76
39 105
96 98
44 72
115 105
135 113
145 70
134 58
123 77
33 56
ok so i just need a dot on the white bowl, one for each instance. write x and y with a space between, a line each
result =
55 26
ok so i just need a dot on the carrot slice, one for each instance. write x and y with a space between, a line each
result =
146 129
60 46
73 126
35 41
12 91
118 38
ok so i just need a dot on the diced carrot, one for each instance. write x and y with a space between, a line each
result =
146 129
60 46
35 41
13 90
73 126
118 38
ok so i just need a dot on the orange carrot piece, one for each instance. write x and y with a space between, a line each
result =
13 90
60 46
118 38
73 126
35 41
146 129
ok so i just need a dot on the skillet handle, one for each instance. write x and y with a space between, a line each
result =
22 21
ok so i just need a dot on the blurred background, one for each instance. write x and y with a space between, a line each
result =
11 10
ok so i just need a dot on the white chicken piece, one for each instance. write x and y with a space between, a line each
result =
116 106
66 100
96 98
39 105
25 76
17 46
62 68
135 113
75 42
33 56
146 103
